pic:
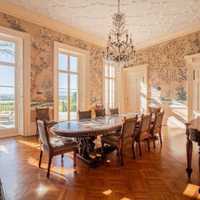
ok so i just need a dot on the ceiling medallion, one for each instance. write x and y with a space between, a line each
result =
120 47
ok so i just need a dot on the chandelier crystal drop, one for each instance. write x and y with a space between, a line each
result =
119 47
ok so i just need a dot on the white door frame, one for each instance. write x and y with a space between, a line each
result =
25 62
83 71
191 62
139 68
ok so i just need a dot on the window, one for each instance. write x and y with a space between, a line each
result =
67 85
110 86
7 84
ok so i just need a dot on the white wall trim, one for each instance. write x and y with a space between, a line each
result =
42 20
26 62
138 68
83 75
191 61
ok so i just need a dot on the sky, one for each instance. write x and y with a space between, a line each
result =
7 73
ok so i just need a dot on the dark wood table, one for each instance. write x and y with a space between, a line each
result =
86 132
193 135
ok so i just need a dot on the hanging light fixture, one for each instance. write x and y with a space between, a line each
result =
119 45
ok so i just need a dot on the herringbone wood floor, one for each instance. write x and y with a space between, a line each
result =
158 175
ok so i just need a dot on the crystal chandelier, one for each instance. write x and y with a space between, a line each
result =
119 45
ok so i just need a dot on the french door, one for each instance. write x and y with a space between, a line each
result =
8 82
136 89
68 76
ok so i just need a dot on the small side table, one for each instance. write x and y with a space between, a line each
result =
193 135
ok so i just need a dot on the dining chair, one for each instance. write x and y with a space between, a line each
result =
142 132
114 111
100 112
43 114
153 110
2 193
54 145
121 141
157 127
85 114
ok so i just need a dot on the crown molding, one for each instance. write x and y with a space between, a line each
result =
41 20
169 37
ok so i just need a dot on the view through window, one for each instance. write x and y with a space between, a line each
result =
110 86
67 86
7 84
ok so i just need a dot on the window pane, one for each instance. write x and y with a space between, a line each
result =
63 95
112 71
7 107
7 76
62 61
63 80
73 104
73 95
106 93
73 64
7 51
73 81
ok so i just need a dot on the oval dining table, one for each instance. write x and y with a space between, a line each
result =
87 130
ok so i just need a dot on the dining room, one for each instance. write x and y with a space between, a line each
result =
99 99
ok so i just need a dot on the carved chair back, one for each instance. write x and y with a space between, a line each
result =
114 111
100 112
85 114
144 125
158 122
43 135
42 114
154 109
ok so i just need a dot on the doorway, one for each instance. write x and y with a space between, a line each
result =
11 85
193 85
135 91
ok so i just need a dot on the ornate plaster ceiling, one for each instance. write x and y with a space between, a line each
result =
146 19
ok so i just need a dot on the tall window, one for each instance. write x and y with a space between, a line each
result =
110 86
7 84
67 85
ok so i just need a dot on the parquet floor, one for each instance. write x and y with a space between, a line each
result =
159 175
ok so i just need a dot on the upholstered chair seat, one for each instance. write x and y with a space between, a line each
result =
111 139
53 145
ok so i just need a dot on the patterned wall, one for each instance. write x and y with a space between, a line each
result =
167 68
42 40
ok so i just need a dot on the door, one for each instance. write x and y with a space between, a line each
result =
193 85
68 78
135 90
8 83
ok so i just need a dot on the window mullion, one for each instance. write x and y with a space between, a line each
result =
68 92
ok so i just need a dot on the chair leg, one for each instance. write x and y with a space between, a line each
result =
133 149
74 159
41 153
49 166
148 144
154 142
121 158
102 147
160 137
62 156
140 149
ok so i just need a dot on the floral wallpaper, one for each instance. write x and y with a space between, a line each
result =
167 68
166 65
42 40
